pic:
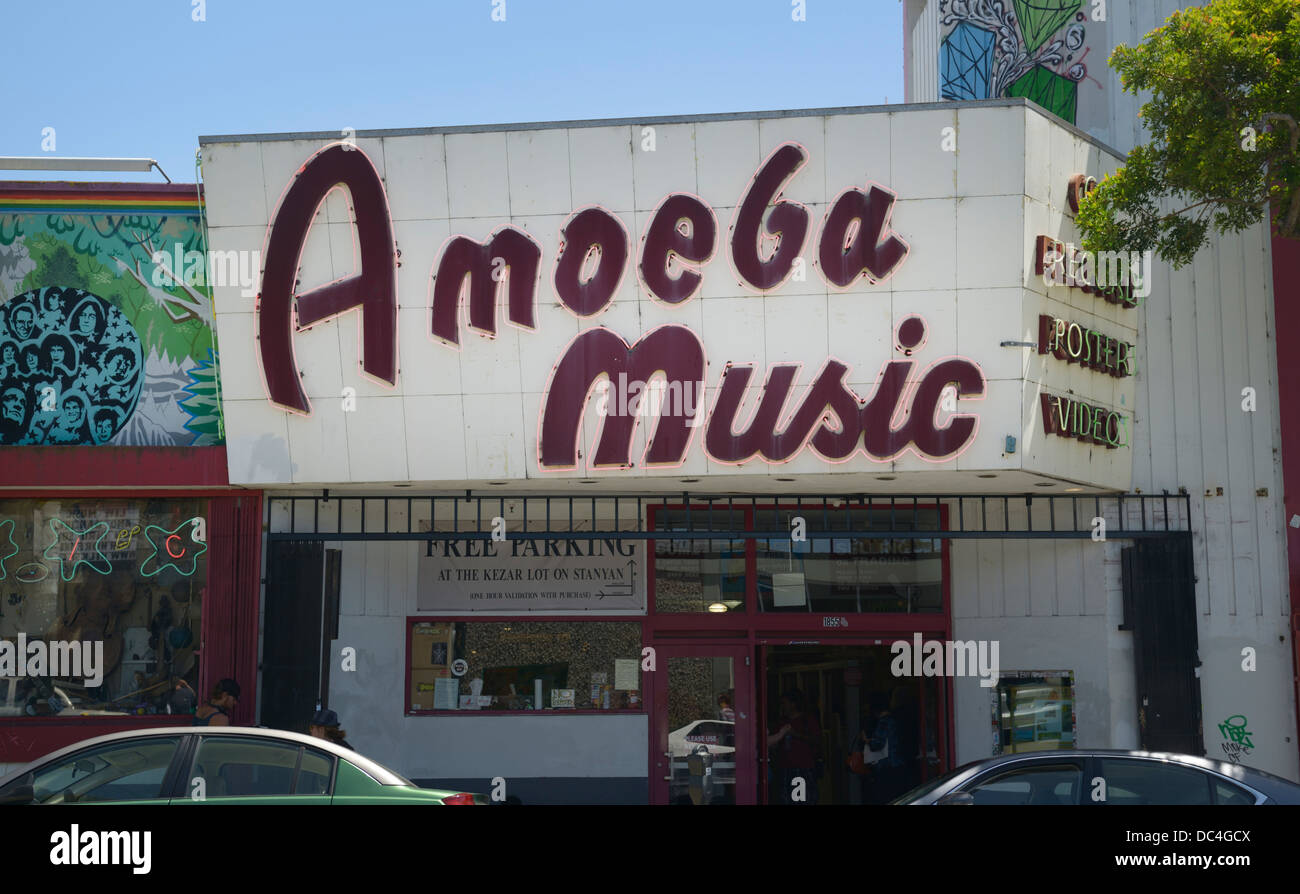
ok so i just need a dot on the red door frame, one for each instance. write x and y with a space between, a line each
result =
753 631
657 704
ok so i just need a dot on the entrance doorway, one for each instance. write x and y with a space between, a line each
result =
846 697
702 726
716 711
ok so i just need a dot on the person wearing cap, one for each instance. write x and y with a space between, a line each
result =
225 695
325 725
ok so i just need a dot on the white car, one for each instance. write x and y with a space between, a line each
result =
718 736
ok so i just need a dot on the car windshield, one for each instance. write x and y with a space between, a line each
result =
926 787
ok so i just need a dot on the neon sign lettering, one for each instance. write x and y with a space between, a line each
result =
767 236
7 529
373 289
519 255
672 350
788 222
1074 343
182 551
856 240
683 227
587 232
1069 418
676 352
72 548
83 551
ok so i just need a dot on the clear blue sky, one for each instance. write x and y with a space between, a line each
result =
140 78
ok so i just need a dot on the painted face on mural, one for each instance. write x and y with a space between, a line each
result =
24 321
118 367
12 405
73 412
53 334
87 321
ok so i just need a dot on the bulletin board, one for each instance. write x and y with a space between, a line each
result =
432 651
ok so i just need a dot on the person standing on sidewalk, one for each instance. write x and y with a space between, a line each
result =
325 725
888 778
797 741
225 696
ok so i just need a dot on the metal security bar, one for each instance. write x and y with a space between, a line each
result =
713 517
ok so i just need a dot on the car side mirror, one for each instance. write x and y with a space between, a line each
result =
957 798
19 794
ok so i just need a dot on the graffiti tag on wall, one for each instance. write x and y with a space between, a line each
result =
1236 738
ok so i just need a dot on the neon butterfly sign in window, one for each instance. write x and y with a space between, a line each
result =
178 548
174 549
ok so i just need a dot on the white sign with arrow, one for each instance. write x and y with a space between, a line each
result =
518 575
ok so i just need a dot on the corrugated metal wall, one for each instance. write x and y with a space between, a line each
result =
1207 333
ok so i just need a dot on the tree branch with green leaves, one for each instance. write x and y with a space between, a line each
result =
1223 82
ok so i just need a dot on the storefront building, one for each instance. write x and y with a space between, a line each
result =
123 549
586 442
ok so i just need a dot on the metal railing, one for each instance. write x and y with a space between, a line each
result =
711 517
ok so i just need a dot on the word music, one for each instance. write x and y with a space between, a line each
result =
855 243
599 352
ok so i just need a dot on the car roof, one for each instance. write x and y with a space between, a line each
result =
379 772
1257 778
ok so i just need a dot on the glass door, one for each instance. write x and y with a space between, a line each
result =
702 739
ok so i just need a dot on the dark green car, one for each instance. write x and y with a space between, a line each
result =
214 765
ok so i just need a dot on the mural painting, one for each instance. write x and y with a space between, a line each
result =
98 343
1038 49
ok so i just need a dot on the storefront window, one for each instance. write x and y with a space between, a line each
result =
100 605
1033 711
525 665
695 575
861 574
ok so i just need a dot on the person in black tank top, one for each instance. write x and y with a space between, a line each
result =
225 695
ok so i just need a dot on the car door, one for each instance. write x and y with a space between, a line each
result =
126 771
1053 779
257 770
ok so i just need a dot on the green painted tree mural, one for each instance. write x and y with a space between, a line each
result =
126 259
